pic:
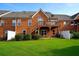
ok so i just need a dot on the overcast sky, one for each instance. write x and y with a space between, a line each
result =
54 8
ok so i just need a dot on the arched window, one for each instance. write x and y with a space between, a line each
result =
24 31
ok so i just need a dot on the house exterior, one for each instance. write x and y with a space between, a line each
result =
40 22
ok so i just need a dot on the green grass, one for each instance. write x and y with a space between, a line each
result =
54 47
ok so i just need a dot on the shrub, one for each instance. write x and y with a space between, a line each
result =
18 37
27 37
1 39
13 39
36 37
58 35
75 35
72 31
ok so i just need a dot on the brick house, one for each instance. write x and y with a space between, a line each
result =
39 22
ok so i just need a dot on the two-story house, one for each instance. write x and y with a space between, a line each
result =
34 22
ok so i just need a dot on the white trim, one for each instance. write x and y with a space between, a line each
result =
18 22
4 14
14 22
76 17
29 22
38 11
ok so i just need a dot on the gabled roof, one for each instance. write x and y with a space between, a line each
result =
40 10
20 14
74 16
24 14
3 11
61 17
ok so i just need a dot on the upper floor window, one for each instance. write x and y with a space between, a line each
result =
29 22
40 19
18 22
13 22
1 23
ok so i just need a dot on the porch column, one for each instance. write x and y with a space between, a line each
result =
50 31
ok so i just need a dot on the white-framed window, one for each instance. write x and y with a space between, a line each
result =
1 23
19 22
29 22
40 20
13 22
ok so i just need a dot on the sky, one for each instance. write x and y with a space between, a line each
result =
54 8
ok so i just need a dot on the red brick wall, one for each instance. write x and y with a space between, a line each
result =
24 23
7 26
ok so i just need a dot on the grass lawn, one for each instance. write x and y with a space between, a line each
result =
54 47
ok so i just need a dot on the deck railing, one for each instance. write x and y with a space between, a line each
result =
42 24
48 23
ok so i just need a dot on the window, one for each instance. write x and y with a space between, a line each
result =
29 22
43 32
1 23
13 22
53 31
24 31
40 20
66 22
19 22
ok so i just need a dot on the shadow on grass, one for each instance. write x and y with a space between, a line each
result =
69 51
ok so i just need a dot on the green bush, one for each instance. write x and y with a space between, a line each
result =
27 37
36 37
13 39
18 37
75 35
1 39
72 31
